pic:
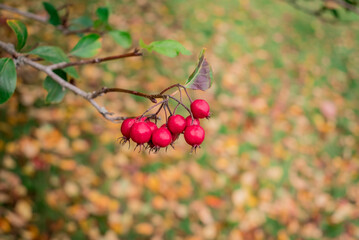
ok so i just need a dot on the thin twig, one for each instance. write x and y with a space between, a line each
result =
180 92
24 14
168 88
105 90
176 85
156 113
346 5
168 108
185 90
316 13
44 20
164 109
153 106
135 53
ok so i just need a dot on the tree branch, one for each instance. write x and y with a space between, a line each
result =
64 29
315 13
24 14
347 6
9 48
135 53
318 13
105 90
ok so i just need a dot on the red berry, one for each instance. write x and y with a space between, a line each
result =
140 133
194 135
126 127
141 119
161 137
152 126
174 135
189 121
200 108
176 123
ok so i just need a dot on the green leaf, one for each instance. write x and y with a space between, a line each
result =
54 55
332 230
245 147
143 44
122 38
202 76
88 46
170 48
50 53
152 167
54 15
21 32
185 225
335 13
7 79
103 14
272 226
55 92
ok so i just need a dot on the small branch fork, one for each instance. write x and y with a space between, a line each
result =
48 69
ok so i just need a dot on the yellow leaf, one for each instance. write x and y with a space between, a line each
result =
144 228
235 235
67 165
29 147
158 202
4 225
80 145
153 183
23 208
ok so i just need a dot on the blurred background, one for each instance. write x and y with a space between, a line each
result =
281 155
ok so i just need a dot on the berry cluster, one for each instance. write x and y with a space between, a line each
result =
146 133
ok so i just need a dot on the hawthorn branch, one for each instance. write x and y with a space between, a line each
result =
135 53
23 60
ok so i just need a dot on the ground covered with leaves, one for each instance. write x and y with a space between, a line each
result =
281 154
